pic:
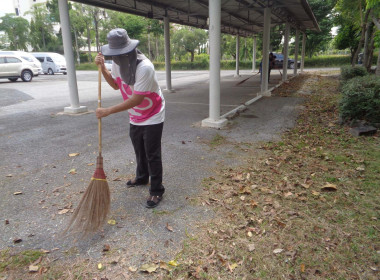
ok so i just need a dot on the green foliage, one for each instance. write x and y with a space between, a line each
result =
188 39
347 36
327 61
348 72
17 29
322 10
41 29
361 99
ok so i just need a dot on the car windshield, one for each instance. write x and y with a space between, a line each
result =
59 58
27 58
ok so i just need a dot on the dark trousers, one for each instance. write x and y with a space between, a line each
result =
146 140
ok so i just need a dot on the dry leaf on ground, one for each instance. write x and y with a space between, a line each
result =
150 267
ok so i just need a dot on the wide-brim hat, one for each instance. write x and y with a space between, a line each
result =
118 43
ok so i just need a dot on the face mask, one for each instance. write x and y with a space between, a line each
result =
128 64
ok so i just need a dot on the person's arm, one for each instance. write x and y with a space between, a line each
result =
99 60
135 100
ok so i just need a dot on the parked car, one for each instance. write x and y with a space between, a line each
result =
52 63
13 67
26 56
108 64
280 61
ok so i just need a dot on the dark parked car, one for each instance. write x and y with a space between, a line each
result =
280 60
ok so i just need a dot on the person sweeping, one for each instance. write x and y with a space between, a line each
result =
133 74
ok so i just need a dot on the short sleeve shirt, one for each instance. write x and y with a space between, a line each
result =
152 109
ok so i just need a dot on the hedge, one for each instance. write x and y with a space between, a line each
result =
361 99
202 63
348 72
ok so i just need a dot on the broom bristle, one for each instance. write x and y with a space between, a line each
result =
94 206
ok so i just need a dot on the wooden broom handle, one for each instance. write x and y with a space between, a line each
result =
99 106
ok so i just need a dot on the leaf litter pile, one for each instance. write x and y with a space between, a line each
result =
306 207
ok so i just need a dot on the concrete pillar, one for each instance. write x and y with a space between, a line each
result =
254 54
296 50
237 55
70 64
168 68
303 51
286 53
265 61
214 119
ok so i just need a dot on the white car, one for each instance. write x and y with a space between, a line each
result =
108 64
26 56
13 67
52 63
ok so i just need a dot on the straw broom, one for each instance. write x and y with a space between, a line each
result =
94 206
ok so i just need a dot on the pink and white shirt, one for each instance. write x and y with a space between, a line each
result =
152 109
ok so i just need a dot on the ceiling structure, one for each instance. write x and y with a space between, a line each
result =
243 17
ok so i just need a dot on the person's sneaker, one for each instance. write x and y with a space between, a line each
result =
134 182
153 201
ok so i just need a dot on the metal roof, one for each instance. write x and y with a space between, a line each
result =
243 17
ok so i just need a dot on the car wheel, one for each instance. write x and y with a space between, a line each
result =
64 73
291 65
26 75
13 79
50 71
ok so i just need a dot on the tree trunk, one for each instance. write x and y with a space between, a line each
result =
245 49
371 47
157 50
76 46
43 38
96 22
192 56
149 56
367 43
362 36
378 64
89 43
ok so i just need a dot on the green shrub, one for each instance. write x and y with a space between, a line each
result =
326 61
86 66
348 72
361 99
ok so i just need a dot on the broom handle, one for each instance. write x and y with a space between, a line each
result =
99 106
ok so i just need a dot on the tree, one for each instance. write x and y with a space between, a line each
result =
41 27
347 35
17 29
364 14
156 28
189 39
322 10
135 25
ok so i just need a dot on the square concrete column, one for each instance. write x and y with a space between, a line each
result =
303 51
254 54
265 61
286 53
69 56
168 68
296 50
237 55
214 119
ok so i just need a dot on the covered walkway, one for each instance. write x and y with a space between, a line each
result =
237 17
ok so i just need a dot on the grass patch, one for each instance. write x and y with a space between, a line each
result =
275 220
217 140
9 261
